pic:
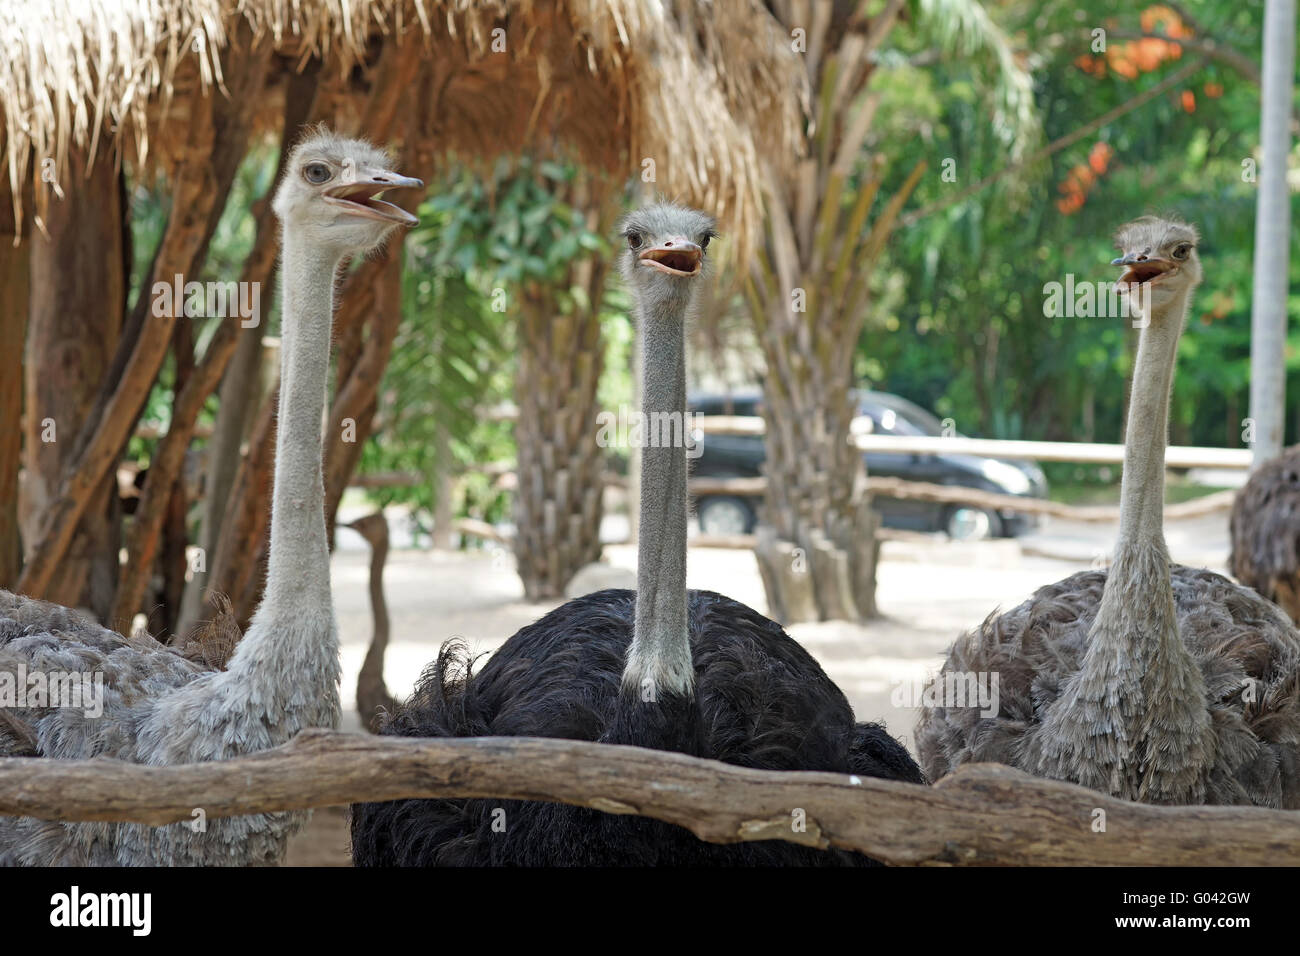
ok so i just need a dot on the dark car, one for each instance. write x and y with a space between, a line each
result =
741 456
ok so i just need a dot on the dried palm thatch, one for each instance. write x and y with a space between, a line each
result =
693 85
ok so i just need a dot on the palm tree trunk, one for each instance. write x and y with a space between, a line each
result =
809 295
558 506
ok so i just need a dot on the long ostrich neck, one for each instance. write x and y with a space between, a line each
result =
1138 587
372 667
661 652
296 605
1142 489
298 568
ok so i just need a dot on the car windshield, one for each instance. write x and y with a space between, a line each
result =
897 416
741 405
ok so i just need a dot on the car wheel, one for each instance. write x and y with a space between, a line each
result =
971 524
725 515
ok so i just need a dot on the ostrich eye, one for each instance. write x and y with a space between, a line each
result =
1180 252
704 243
634 240
316 173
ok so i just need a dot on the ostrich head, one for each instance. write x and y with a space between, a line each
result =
330 189
667 252
1159 258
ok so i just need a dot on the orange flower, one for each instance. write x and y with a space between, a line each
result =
1090 65
1160 16
1149 54
1189 101
1122 65
1214 90
1099 157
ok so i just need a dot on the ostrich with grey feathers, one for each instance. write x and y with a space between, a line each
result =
662 667
159 708
1265 532
1151 682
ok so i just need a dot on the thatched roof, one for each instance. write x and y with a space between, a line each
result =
702 87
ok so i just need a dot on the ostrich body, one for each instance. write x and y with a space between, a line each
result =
1151 682
158 707
661 667
1265 532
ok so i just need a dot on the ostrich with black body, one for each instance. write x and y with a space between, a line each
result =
663 667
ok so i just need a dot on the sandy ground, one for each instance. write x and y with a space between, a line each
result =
929 591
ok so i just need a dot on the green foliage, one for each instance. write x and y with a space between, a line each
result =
231 243
973 340
480 240
511 227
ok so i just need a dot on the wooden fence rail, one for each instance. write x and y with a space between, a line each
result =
1176 456
901 488
983 814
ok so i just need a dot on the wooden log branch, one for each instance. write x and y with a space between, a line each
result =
982 814
481 529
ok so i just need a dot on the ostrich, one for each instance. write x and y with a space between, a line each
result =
1157 683
661 667
1265 532
159 708
373 698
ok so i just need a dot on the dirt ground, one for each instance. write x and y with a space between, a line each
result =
929 591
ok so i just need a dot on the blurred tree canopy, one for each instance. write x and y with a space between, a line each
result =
957 320
969 336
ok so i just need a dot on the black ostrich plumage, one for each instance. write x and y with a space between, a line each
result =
761 701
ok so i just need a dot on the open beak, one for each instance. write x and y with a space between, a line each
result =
360 197
1143 271
676 257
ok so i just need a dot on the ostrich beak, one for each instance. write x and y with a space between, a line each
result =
676 257
1142 270
359 196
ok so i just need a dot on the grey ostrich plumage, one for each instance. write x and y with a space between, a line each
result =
162 706
1265 532
1243 646
158 708
1152 682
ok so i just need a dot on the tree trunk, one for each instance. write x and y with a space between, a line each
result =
240 547
357 397
559 499
240 393
77 302
816 501
171 562
14 276
231 121
101 435
809 295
